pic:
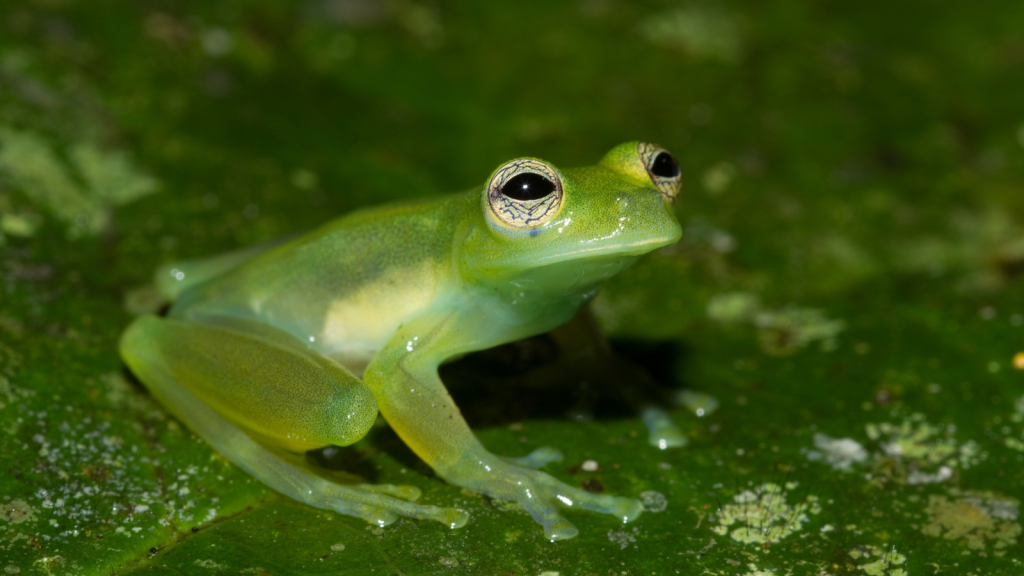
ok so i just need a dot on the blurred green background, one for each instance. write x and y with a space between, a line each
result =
848 286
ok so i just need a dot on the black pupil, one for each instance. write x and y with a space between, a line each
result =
528 186
665 166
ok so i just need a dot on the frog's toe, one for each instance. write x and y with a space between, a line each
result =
403 491
374 515
456 518
545 513
393 509
663 431
450 517
560 530
551 492
629 509
625 509
556 527
538 458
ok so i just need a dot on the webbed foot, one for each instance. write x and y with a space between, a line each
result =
541 494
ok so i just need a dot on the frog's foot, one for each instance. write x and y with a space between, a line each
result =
541 494
662 430
537 459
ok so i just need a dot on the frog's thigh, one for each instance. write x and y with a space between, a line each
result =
259 378
154 348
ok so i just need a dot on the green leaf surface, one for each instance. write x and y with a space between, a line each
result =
848 286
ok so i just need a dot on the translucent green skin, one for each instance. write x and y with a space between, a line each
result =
279 349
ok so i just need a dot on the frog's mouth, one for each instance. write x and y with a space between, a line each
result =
626 250
576 266
583 269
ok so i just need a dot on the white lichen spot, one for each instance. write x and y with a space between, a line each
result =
79 191
780 330
941 475
977 519
788 329
653 501
448 561
763 515
17 511
700 30
1014 439
839 453
12 569
10 361
337 547
733 307
878 562
49 564
755 571
217 42
590 466
918 452
622 538
90 474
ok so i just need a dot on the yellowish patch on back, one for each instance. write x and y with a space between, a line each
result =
359 324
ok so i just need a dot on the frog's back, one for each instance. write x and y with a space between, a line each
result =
345 287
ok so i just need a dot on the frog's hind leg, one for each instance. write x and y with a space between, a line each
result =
231 387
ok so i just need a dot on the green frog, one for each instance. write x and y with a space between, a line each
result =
272 351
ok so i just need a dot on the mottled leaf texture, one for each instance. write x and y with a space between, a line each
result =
847 292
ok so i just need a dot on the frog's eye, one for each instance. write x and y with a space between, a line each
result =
525 193
662 167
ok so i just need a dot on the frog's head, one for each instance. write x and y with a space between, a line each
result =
553 229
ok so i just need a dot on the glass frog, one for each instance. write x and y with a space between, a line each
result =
272 351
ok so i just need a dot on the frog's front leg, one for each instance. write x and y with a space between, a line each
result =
233 382
416 404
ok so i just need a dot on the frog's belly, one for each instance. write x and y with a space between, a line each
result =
360 324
